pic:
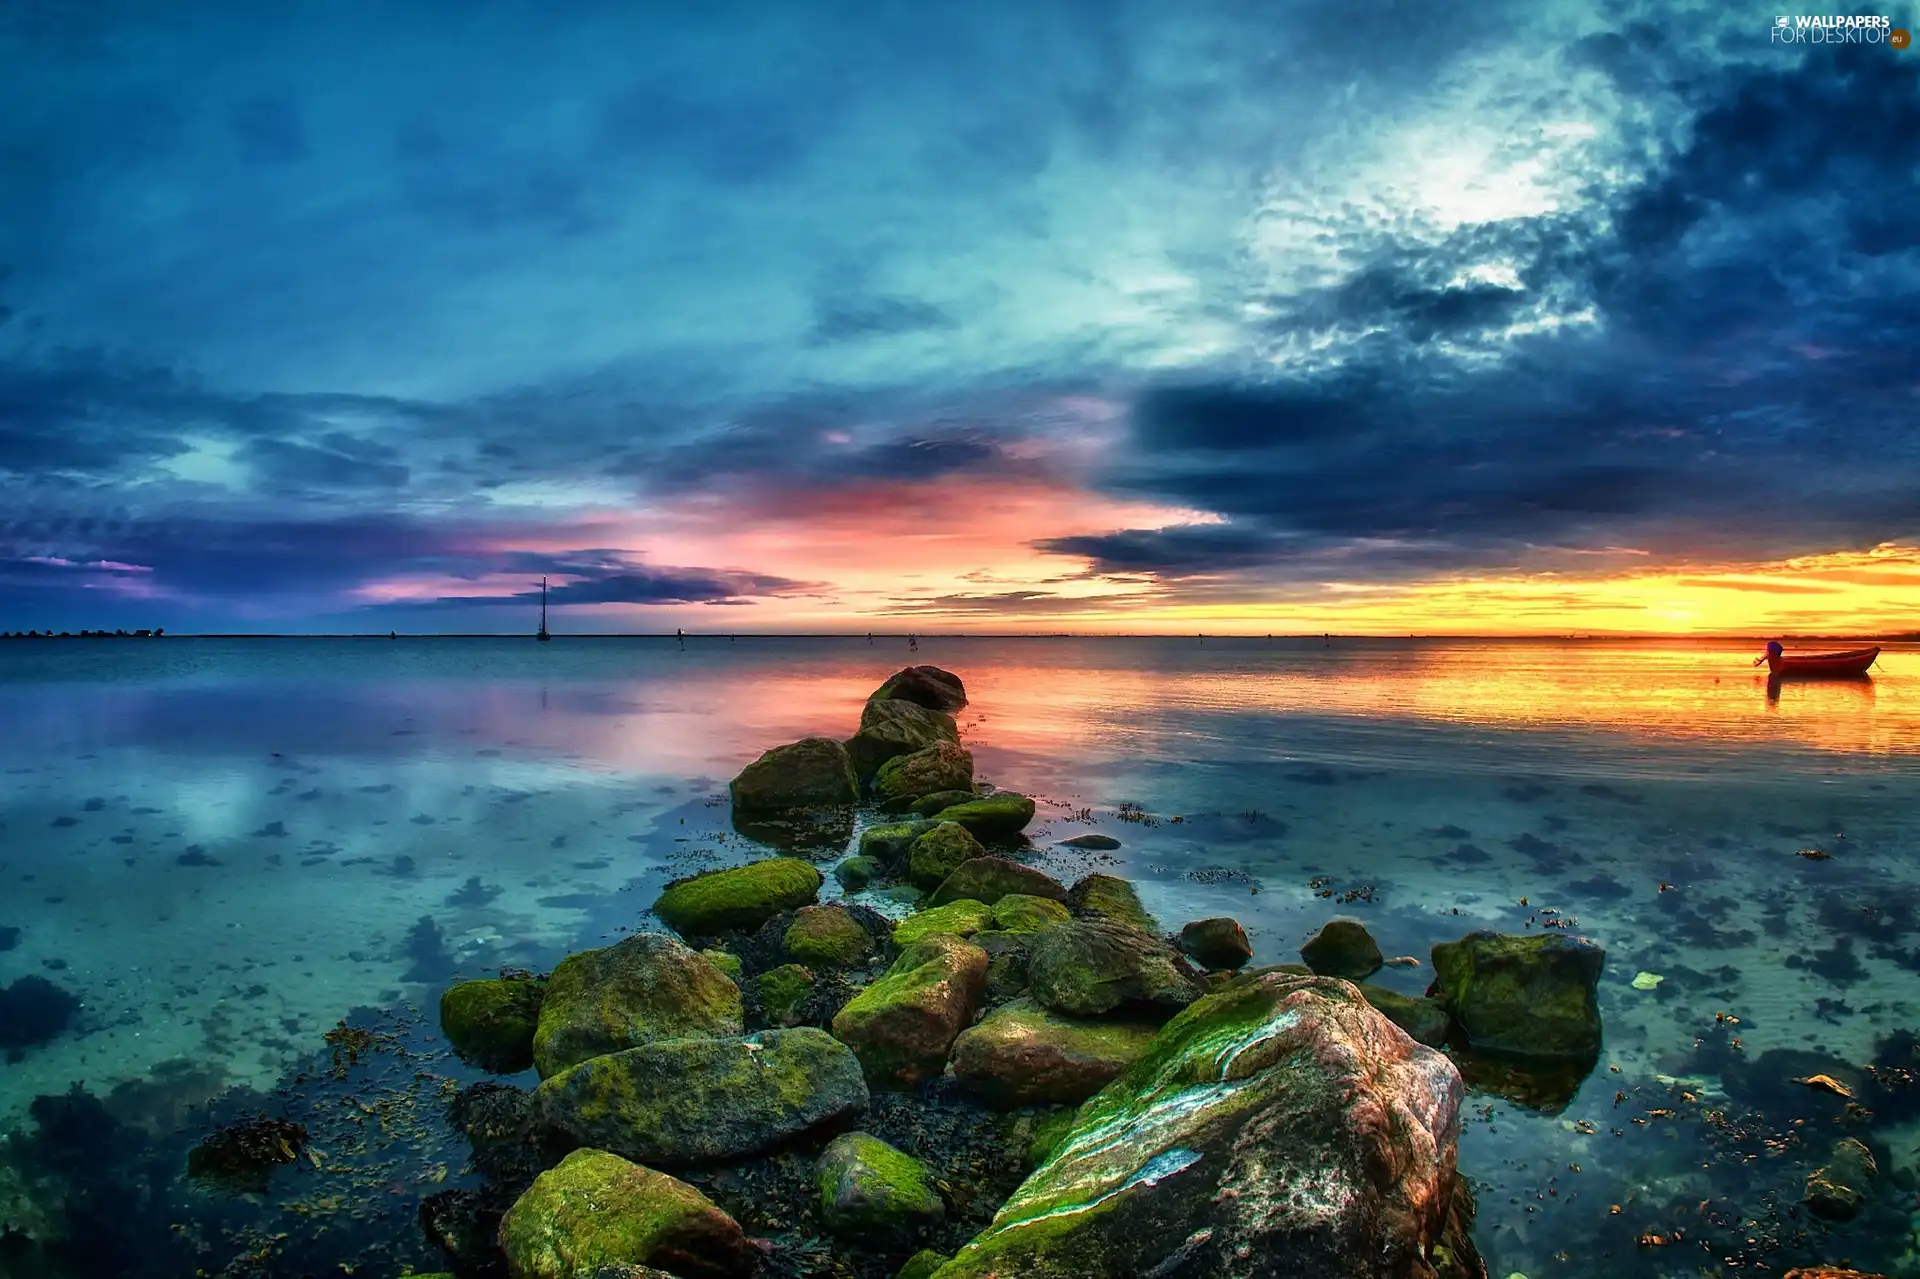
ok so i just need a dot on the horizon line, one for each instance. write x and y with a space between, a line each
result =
1887 637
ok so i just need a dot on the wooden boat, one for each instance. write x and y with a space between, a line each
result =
1850 664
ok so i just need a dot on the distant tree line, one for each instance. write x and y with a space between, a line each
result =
143 633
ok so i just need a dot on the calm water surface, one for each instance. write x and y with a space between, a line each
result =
222 847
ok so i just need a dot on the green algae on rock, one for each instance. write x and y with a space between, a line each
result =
988 879
903 1025
737 899
943 766
996 816
867 1186
1424 1019
491 1023
1049 1133
856 873
1218 943
922 1264
683 1102
597 1209
927 686
1022 1054
782 992
1024 913
648 986
1110 898
814 772
1086 967
962 919
1343 948
888 844
1529 996
928 805
827 936
891 727
726 961
1280 1126
939 852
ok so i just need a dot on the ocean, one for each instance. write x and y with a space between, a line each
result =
224 848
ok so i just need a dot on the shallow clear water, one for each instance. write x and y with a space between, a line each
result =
223 846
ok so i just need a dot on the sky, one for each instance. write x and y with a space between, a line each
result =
1290 316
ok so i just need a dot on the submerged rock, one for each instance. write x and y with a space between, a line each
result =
962 919
943 766
891 727
738 899
814 772
927 686
1837 1191
1343 948
1086 967
684 1102
1216 943
1110 898
988 879
1021 1054
1095 843
597 1209
1020 913
996 816
648 986
867 1186
827 936
1530 996
491 1023
1279 1127
903 1025
941 851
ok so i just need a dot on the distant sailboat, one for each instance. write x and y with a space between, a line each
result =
543 636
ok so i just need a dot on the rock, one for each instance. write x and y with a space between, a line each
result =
1424 1019
942 766
1020 913
893 727
988 879
940 852
1530 995
927 686
1086 967
1343 948
1110 898
856 873
996 816
815 772
1049 1133
888 844
684 1102
726 961
597 1209
741 898
903 1025
1097 843
491 1023
1837 1191
868 1187
1216 943
827 937
1022 1054
645 987
1278 1127
927 805
1829 1272
922 1264
962 919
782 993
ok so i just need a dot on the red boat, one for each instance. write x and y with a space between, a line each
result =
1852 663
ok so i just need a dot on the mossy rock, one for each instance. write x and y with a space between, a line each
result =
927 686
826 937
961 918
597 1209
738 899
868 1187
1022 913
1424 1019
941 851
922 1264
996 816
1113 899
943 766
1088 967
988 879
891 727
888 844
856 873
903 1025
1048 1133
1530 996
1022 1054
726 961
782 993
1343 948
928 805
816 772
491 1023
648 986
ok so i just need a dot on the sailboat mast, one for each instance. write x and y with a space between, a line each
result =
543 608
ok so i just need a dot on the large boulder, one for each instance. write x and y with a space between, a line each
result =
942 766
648 986
891 727
491 1023
997 816
869 1188
1343 948
1218 943
1530 996
737 899
927 686
814 772
1278 1127
1837 1190
940 852
1110 898
988 879
963 918
686 1102
598 1209
903 1025
1022 1054
826 937
1086 967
